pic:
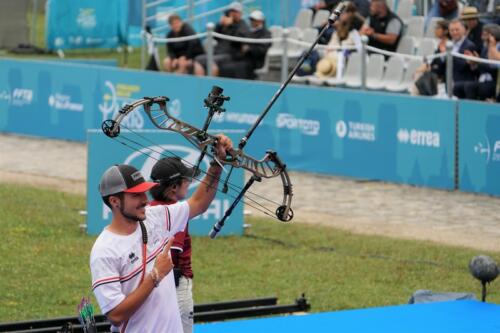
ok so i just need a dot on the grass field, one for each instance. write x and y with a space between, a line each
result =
44 262
125 59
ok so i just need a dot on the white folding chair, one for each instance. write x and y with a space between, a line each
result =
394 72
415 27
426 47
404 9
320 18
375 71
406 45
407 81
352 76
303 19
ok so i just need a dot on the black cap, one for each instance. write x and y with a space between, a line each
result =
170 169
123 178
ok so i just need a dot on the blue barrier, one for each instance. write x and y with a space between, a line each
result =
479 152
104 152
334 131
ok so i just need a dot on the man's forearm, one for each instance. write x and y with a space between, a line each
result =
385 38
203 196
132 302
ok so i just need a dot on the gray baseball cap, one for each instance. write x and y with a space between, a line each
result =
123 178
236 6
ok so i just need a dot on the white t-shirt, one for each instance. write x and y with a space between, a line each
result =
116 267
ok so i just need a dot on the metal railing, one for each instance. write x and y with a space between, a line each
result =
287 42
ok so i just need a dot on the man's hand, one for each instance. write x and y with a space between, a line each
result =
226 20
367 30
442 46
223 146
164 262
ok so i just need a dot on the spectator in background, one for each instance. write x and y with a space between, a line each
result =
485 86
488 8
181 54
474 27
494 54
232 24
250 56
443 35
428 76
447 9
461 69
383 27
346 34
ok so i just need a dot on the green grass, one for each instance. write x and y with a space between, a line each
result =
125 60
44 262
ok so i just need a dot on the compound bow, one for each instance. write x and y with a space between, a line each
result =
269 166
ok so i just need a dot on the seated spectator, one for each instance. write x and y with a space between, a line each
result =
443 35
181 54
494 54
485 86
470 17
489 10
250 56
428 76
494 45
345 34
447 9
461 69
383 27
346 27
232 24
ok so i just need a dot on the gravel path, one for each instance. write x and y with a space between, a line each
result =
362 207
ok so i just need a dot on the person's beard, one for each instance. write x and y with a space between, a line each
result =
130 217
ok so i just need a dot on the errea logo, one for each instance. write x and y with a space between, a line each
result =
132 257
419 138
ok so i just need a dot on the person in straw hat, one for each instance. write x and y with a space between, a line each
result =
470 17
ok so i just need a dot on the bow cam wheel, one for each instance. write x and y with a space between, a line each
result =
280 213
110 128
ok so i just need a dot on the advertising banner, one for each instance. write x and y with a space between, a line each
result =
85 24
104 152
346 132
479 152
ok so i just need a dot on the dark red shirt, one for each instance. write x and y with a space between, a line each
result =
181 248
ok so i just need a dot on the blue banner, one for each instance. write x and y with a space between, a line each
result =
104 152
479 152
85 24
334 131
